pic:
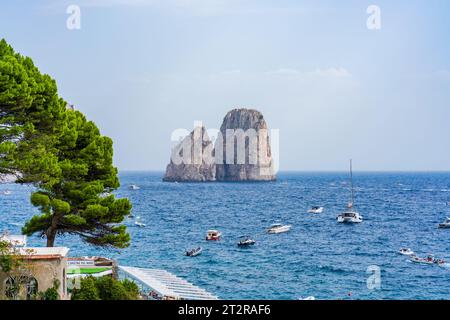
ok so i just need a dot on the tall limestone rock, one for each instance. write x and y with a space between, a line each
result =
246 153
192 159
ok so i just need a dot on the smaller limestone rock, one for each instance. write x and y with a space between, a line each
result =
8 178
192 159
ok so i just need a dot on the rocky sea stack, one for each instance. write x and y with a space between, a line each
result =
241 152
8 178
244 128
192 159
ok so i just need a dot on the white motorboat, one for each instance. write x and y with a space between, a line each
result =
134 187
7 192
351 215
406 252
213 235
308 298
194 252
316 210
246 241
278 228
139 223
445 224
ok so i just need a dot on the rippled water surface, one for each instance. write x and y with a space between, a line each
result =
317 257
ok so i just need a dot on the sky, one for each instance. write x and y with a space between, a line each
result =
334 88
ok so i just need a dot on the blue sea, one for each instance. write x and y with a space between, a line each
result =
317 257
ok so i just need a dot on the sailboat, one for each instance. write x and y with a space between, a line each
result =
350 215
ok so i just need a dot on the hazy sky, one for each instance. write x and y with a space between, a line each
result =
335 89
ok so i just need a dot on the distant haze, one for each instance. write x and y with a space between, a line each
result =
335 89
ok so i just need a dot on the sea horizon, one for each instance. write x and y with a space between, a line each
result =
162 171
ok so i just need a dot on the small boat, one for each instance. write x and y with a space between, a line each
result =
445 224
246 241
139 223
278 228
406 252
350 216
7 192
428 260
213 235
308 298
315 210
194 252
134 187
439 262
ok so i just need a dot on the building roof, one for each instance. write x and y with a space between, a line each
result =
43 252
167 284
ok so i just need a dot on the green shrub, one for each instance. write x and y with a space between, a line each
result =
87 290
105 288
131 287
51 294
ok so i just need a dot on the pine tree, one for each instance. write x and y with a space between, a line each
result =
62 154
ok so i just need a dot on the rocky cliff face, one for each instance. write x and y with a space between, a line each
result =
192 159
7 178
241 152
246 153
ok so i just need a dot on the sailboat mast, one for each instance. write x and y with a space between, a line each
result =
351 181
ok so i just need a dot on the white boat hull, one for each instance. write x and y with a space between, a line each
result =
246 243
308 298
316 211
420 261
279 230
343 219
406 253
194 253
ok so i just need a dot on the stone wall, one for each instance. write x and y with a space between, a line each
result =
45 271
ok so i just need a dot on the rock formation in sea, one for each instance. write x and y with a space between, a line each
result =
192 159
7 178
241 152
246 153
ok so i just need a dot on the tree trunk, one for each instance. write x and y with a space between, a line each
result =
51 231
51 235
